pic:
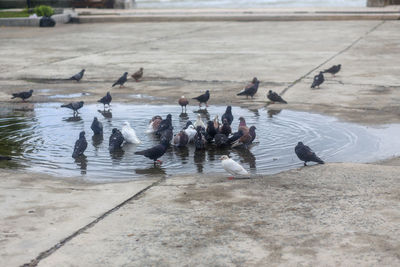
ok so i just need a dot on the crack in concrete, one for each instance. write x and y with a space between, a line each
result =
332 57
54 248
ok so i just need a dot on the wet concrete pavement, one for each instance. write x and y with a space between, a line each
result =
336 214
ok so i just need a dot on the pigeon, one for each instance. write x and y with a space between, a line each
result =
246 139
154 123
228 115
97 127
243 126
181 139
251 89
210 131
23 95
80 145
106 100
116 140
318 80
216 123
74 106
203 98
333 70
305 154
232 166
129 134
198 139
183 102
221 140
199 122
137 75
274 97
235 137
191 132
225 128
164 125
188 123
155 152
167 135
77 77
121 80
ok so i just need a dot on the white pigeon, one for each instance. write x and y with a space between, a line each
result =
191 132
129 134
199 122
232 166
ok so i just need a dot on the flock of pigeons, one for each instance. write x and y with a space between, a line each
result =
198 133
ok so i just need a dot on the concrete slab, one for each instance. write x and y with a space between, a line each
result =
337 214
39 211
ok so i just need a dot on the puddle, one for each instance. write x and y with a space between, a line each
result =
146 97
68 95
42 140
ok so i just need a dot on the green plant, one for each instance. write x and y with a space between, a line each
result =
44 11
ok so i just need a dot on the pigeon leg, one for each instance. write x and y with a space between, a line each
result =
206 104
231 178
305 163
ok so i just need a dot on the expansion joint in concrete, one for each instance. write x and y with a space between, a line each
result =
54 248
333 56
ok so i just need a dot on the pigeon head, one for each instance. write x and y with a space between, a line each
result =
224 157
114 130
300 144
225 122
210 124
229 109
95 119
182 96
241 119
270 92
83 70
169 117
81 103
252 129
141 69
254 80
108 93
125 74
82 134
126 123
31 91
207 92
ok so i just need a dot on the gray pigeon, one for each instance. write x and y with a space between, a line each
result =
80 145
74 106
121 80
106 100
251 89
77 77
318 80
155 152
23 95
97 127
116 140
305 154
333 70
274 97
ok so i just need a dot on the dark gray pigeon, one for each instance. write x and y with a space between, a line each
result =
251 89
121 80
318 80
333 70
23 95
97 127
227 115
155 152
274 97
106 100
203 98
77 77
225 128
80 145
116 140
199 141
74 106
305 154
221 140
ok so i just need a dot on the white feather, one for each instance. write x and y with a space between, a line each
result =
232 166
129 134
191 132
199 122
150 128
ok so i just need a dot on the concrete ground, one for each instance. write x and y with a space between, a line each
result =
335 214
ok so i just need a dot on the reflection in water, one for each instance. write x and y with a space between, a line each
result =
247 157
73 118
183 116
255 111
273 112
105 113
182 153
97 139
153 170
204 113
199 158
82 161
117 155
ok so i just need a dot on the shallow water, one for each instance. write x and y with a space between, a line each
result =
246 3
42 140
